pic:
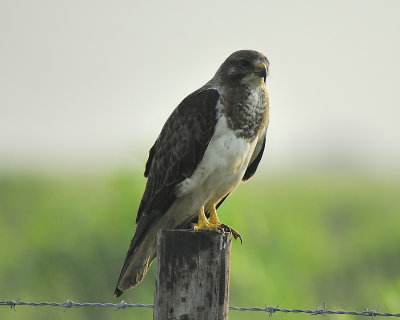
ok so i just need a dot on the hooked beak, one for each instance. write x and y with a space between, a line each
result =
262 70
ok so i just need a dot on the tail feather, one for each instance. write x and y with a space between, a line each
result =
143 248
137 263
117 292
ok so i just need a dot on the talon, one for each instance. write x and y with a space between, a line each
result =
226 228
237 235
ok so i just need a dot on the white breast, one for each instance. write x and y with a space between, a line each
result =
221 169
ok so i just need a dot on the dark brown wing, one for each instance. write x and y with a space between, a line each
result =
175 155
254 162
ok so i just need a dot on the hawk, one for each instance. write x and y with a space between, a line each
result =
214 139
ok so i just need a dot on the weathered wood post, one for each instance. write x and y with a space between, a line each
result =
192 279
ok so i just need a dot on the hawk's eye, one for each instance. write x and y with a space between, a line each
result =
244 63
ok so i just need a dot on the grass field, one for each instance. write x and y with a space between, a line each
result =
308 238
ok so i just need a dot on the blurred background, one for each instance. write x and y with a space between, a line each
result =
85 87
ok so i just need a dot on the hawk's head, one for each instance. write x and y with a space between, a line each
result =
246 66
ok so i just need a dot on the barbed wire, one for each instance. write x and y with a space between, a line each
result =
70 304
270 310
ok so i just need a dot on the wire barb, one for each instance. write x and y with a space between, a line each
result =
271 310
68 304
372 313
320 310
122 305
13 304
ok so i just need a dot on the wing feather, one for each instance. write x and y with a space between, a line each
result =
256 157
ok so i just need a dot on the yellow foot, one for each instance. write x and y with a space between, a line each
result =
206 227
214 224
204 224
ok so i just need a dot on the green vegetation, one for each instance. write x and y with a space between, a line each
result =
307 239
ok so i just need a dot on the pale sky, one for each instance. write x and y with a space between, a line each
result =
90 83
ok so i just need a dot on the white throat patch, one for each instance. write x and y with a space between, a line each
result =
253 81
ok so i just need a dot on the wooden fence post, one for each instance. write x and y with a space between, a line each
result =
192 280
